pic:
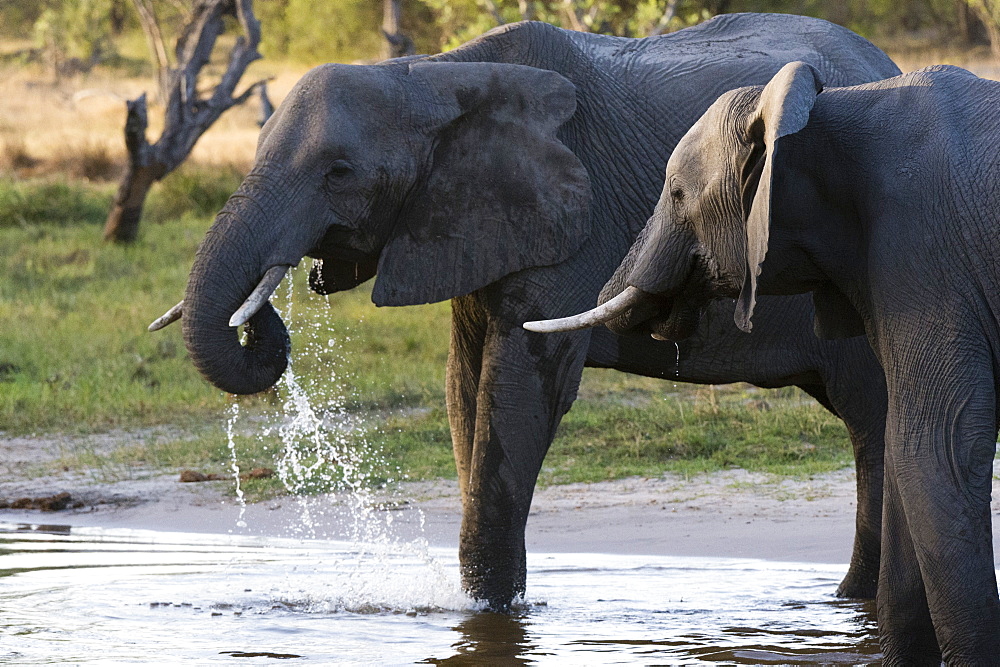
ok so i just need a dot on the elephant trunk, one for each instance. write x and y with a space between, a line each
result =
663 261
239 249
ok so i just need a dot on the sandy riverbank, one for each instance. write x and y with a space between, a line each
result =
727 514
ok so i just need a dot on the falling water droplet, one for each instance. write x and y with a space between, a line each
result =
234 413
677 361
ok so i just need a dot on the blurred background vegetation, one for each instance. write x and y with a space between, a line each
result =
81 33
74 353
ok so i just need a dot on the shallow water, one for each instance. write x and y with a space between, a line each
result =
82 595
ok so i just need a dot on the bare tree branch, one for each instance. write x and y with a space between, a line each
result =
187 115
494 11
396 43
988 12
574 15
154 39
527 9
664 22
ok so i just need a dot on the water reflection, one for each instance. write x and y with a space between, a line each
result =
489 638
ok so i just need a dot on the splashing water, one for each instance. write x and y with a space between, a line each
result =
322 454
234 413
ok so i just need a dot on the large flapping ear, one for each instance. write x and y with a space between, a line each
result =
783 109
501 193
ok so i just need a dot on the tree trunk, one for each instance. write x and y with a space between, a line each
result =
396 43
988 12
126 210
187 114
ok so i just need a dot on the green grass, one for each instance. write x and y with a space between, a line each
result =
75 356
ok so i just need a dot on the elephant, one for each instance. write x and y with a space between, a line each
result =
509 175
883 203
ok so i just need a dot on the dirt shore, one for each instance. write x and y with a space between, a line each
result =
727 514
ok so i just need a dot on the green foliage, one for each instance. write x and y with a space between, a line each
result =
318 31
463 20
315 31
57 203
74 30
79 358
190 190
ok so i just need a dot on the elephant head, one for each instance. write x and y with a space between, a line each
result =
710 230
439 178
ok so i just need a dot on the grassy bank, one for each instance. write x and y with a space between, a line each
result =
75 356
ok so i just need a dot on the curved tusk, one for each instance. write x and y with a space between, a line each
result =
606 311
166 318
257 298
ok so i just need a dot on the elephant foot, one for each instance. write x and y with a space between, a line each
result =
494 574
860 583
916 656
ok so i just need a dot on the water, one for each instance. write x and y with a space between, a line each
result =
91 595
88 595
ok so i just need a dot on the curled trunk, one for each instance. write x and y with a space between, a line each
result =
227 268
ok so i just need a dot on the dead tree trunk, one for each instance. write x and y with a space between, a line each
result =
396 43
187 115
988 12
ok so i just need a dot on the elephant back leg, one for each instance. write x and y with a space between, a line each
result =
854 390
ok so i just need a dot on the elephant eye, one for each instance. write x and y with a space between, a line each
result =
676 194
340 168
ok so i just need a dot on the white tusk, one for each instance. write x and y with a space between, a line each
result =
168 317
259 296
591 318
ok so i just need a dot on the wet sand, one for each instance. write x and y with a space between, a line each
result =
727 514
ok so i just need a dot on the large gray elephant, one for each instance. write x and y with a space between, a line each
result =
510 175
883 200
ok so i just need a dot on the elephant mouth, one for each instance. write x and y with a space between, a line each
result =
678 313
337 266
677 323
672 315
662 317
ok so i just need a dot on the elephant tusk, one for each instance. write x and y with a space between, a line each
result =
606 311
168 317
259 296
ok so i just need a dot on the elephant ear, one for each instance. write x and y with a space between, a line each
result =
783 109
501 193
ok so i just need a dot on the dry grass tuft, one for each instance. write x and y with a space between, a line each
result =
15 155
92 161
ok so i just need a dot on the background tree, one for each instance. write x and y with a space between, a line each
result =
187 112
74 35
988 13
396 44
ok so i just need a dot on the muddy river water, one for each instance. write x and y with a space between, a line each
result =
90 595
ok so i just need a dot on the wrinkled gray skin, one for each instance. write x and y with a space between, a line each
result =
882 201
510 175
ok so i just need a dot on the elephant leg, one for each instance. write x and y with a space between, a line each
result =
526 383
857 396
902 605
940 444
465 358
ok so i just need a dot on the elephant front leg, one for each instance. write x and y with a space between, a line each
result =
501 432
